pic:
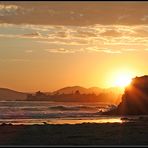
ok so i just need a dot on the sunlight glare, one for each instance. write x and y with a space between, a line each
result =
123 80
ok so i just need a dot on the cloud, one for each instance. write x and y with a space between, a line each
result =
29 51
62 34
109 51
129 49
32 35
6 10
8 36
71 39
60 50
105 50
83 33
65 42
74 13
27 36
123 17
144 18
113 33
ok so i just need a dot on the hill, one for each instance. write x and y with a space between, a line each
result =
79 94
66 94
8 94
82 90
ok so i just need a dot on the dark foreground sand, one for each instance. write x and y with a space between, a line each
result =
134 133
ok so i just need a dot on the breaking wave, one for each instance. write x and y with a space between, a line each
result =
44 110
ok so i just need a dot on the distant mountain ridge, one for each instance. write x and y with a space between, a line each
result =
8 94
83 90
12 95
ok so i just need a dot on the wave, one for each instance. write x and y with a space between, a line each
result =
40 115
27 110
75 108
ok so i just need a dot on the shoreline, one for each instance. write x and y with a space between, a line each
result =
62 120
72 120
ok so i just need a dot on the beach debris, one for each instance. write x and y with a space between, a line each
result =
45 123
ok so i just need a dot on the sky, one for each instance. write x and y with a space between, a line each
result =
49 45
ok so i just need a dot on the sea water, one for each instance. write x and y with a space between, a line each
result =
45 112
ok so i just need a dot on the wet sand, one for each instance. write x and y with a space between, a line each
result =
131 133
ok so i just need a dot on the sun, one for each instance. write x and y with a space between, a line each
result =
123 80
122 77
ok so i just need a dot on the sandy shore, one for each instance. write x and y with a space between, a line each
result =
133 133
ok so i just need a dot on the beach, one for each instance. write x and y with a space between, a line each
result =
126 133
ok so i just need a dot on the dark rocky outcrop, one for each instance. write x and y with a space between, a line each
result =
135 98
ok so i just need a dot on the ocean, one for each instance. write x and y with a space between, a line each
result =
45 112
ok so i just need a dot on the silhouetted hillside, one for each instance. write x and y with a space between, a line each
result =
95 90
83 90
135 98
73 89
7 94
67 94
108 97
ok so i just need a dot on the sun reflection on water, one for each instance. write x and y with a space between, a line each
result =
61 121
80 121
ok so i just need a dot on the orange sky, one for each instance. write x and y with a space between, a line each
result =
86 44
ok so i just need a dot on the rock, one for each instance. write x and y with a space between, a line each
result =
3 124
135 98
124 118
